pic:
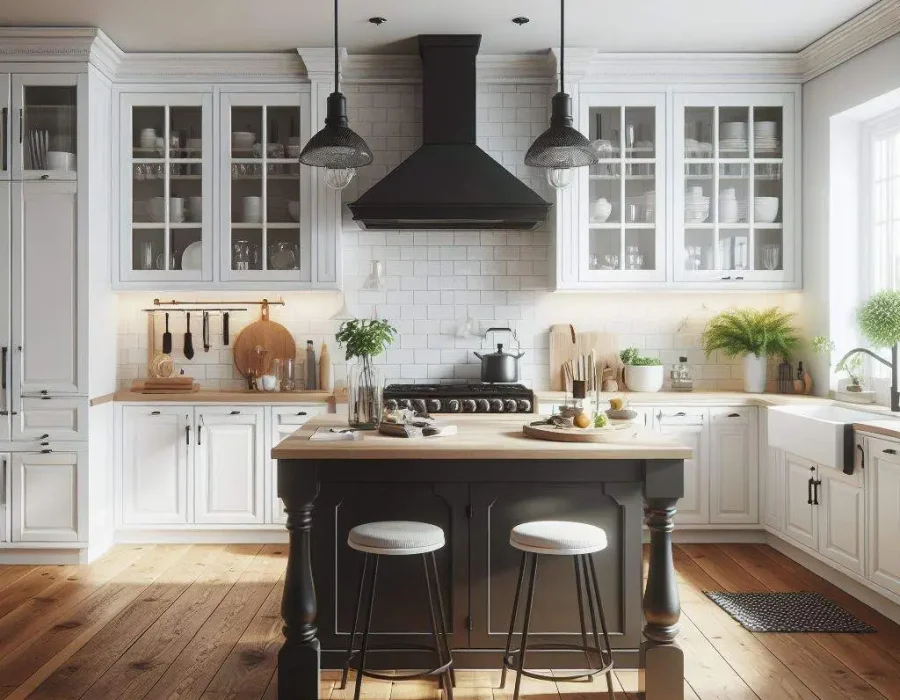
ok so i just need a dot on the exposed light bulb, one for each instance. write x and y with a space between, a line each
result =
560 178
339 178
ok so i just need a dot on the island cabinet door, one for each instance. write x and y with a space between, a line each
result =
497 508
400 616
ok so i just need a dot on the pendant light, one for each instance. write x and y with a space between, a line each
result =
337 148
561 148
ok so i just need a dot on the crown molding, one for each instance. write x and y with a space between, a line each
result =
870 27
218 67
73 45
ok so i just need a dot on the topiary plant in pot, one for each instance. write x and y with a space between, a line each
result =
641 373
755 335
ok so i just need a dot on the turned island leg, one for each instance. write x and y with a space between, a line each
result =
299 658
661 659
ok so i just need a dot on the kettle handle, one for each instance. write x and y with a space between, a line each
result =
511 332
491 330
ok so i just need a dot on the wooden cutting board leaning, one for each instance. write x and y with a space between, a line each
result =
567 345
260 343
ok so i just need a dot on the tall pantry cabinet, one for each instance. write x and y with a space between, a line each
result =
54 232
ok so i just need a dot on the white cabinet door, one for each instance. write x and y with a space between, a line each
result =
688 426
6 349
49 303
44 502
284 421
771 477
841 510
801 518
156 447
734 474
229 465
883 489
5 476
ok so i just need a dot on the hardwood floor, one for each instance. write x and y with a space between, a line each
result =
202 623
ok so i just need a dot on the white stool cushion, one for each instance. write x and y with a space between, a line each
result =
557 537
396 537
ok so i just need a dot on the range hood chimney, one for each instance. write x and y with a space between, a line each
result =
449 182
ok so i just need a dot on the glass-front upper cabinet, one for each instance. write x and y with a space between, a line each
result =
734 188
5 128
623 198
166 188
44 116
265 199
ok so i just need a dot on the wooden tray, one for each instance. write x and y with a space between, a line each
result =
274 339
618 433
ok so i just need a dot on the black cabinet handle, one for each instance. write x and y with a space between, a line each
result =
680 414
734 415
3 133
862 456
809 486
187 435
45 444
301 413
4 352
235 413
46 451
45 436
726 277
816 484
21 123
154 413
890 451
199 432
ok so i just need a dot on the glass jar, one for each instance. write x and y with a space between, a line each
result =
680 376
365 386
240 255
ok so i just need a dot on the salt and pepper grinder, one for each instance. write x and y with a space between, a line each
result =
326 370
312 380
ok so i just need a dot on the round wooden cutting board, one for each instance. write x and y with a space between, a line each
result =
270 337
618 433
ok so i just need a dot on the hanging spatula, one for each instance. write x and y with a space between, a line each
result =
205 331
167 338
188 340
225 329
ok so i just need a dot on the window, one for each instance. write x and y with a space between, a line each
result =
882 175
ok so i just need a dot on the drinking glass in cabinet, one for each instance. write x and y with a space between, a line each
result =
245 252
698 132
147 249
640 132
605 123
49 127
771 256
640 249
605 245
767 130
699 249
734 132
283 254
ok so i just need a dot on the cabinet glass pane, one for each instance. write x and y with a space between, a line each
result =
640 249
698 207
148 195
606 189
246 131
246 249
49 127
640 132
734 192
733 249
185 132
640 193
186 192
604 130
605 249
768 123
186 246
698 132
246 193
147 252
148 126
768 233
699 249
734 132
283 250
4 126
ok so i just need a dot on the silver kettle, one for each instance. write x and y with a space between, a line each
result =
499 367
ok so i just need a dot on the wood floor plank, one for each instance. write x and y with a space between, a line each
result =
11 573
33 584
272 689
82 621
819 670
531 689
189 675
73 678
594 689
859 652
762 671
137 670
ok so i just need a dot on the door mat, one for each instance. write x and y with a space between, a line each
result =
787 612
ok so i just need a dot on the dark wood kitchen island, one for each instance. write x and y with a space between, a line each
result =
476 485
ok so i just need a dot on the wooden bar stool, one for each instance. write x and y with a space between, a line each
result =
399 538
560 538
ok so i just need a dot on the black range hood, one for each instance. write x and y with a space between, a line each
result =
449 182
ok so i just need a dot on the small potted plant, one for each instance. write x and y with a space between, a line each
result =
851 364
754 335
365 340
641 373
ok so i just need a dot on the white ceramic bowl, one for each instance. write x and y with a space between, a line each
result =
294 209
294 150
60 160
242 139
765 209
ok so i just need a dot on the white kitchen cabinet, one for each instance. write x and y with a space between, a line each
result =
801 518
688 426
6 349
5 127
229 465
883 493
156 452
51 418
48 301
284 420
620 222
5 488
45 496
736 203
840 502
165 180
734 475
771 477
265 199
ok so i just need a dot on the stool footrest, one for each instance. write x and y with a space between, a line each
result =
510 662
399 676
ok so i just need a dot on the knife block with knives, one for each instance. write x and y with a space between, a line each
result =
572 349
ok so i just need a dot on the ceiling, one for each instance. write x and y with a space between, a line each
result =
280 25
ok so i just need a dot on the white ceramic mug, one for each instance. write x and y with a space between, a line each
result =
252 210
176 209
195 209
601 210
148 138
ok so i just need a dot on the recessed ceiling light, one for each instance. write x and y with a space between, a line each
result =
520 20
377 21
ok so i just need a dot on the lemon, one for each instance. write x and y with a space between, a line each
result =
617 403
582 421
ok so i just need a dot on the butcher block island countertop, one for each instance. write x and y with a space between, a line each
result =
479 436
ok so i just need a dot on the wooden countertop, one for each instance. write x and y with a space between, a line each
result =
483 436
262 397
884 428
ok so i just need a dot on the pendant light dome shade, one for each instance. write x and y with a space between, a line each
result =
562 145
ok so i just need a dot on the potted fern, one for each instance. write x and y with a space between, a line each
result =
754 334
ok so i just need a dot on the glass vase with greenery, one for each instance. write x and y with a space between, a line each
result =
364 340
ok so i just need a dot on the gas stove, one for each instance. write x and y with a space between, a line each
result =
460 398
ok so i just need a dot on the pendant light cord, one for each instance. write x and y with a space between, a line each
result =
336 49
562 44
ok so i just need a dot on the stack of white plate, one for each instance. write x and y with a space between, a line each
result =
696 206
766 137
733 136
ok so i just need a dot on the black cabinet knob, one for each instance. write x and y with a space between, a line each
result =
419 405
496 405
524 405
434 405
391 404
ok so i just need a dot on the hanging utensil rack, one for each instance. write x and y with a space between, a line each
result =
175 302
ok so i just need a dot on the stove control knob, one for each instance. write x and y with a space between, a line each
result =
496 405
484 406
453 406
434 405
469 405
419 405
510 406
524 405
391 404
405 403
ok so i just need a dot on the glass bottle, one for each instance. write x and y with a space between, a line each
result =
680 376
